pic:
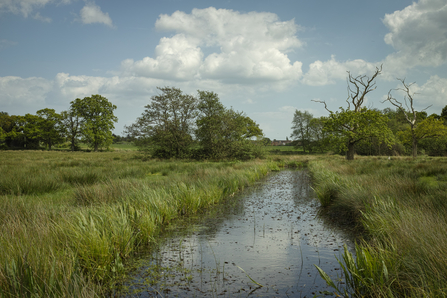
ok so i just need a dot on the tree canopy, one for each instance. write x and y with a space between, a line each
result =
98 118
178 125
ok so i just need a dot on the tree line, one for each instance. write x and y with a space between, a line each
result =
178 125
364 131
89 120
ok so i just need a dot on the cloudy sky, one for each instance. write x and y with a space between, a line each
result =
266 58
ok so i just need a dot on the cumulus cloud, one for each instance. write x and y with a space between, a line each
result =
324 73
177 58
241 48
91 13
40 92
19 91
418 34
26 7
433 92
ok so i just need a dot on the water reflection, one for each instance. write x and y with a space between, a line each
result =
269 235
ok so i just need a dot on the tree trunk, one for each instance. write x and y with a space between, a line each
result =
415 147
351 151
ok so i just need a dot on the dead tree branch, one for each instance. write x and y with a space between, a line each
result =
359 87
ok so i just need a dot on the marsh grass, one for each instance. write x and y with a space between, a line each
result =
400 207
71 221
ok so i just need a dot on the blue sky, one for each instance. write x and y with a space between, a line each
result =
266 58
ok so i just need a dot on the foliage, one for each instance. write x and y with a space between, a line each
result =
182 126
164 128
224 133
51 129
430 128
348 127
301 131
308 132
72 122
98 119
443 115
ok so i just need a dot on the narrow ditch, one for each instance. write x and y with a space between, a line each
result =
263 242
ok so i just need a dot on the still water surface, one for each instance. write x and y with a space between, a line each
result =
269 235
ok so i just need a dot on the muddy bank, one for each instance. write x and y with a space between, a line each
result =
264 242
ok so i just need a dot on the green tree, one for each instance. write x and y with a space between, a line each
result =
97 120
301 130
225 133
6 127
318 135
72 122
410 114
51 129
210 123
29 125
165 128
443 115
429 128
266 141
356 124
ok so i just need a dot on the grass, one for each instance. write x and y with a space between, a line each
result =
399 206
70 222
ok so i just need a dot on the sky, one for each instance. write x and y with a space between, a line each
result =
264 58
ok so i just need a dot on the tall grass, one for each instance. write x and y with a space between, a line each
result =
400 207
69 222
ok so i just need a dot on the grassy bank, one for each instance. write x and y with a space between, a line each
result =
69 221
400 207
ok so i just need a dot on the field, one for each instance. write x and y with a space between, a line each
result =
70 221
399 206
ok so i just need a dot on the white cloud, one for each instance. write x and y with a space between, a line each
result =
40 92
18 91
78 86
26 7
433 92
252 47
91 13
418 34
324 73
177 58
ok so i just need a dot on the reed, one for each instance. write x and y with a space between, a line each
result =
70 222
399 206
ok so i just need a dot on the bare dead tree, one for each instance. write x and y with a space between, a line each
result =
409 112
358 87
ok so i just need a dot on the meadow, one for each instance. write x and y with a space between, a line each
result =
399 207
71 221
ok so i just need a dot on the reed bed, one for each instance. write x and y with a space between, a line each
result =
70 222
399 206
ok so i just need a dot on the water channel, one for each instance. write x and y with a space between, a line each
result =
269 235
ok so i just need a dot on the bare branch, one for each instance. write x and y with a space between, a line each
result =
362 85
323 102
